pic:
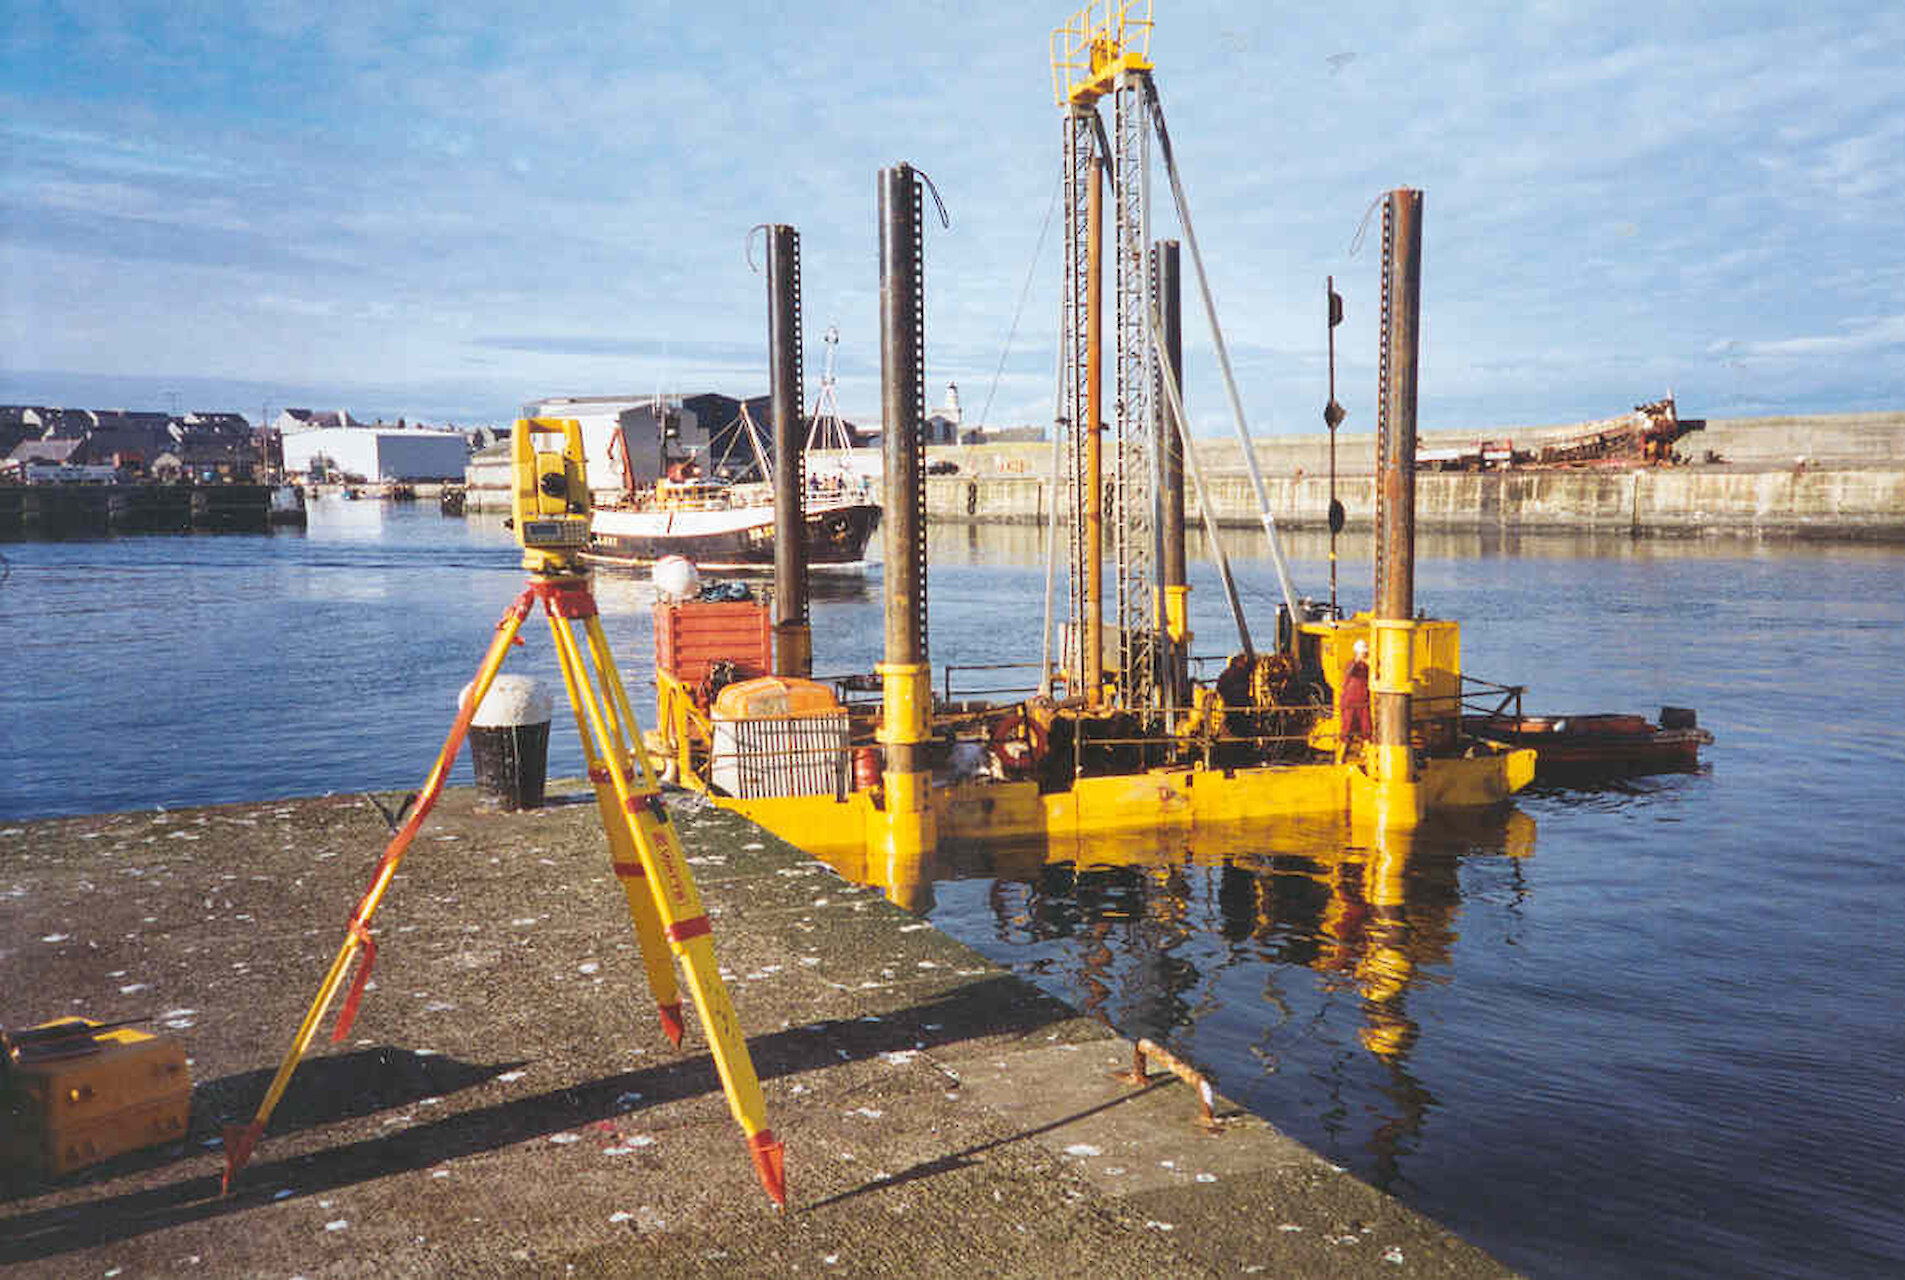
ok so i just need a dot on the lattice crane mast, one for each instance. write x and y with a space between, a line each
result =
1102 52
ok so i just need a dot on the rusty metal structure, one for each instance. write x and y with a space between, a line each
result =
1644 438
1391 693
793 647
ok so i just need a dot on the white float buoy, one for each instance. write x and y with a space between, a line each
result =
676 578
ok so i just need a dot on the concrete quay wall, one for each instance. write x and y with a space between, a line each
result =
1823 440
1816 502
1850 484
1828 476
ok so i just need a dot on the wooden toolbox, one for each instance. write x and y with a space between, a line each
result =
73 1093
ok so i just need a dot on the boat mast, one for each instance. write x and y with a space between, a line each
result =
825 430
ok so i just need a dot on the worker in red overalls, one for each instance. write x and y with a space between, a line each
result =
1352 699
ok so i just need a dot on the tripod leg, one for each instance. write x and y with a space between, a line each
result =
240 1140
629 869
626 859
639 812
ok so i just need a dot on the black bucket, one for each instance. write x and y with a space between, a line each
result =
509 744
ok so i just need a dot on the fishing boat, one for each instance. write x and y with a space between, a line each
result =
725 520
287 505
719 524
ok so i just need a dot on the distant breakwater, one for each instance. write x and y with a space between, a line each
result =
1818 476
81 510
1866 503
1833 476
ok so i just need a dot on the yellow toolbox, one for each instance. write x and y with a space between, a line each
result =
74 1092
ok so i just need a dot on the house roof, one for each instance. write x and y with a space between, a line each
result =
100 444
44 450
224 423
127 418
320 418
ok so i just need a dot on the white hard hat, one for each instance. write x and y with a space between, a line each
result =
1360 649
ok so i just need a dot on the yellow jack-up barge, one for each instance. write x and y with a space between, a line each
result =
1118 736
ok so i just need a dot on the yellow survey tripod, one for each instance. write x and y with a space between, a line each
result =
551 518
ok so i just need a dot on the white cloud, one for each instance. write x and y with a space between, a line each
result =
1611 188
1859 337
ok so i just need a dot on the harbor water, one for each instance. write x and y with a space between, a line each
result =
1649 1028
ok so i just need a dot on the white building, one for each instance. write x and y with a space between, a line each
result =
375 453
626 440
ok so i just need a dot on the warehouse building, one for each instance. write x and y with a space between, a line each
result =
376 453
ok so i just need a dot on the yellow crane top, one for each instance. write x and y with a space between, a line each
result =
1096 45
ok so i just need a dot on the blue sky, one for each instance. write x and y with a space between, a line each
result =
444 210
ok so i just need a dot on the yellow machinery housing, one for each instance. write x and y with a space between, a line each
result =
1435 675
840 811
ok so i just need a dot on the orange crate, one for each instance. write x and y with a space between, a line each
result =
692 635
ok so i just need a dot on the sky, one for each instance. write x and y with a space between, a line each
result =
444 211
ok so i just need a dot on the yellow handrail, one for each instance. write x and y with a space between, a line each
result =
1095 44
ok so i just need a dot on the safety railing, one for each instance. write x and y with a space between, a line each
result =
1486 698
962 694
677 496
1098 34
814 754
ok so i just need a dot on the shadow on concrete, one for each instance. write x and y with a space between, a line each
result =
373 1080
345 1086
954 1161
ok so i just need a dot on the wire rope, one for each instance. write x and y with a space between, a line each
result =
1025 291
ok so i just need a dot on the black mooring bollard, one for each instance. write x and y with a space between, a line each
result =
509 743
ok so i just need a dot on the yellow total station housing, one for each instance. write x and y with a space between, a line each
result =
549 496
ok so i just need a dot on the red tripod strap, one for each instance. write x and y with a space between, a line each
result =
348 1014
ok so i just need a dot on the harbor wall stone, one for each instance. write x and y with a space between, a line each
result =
1836 439
1824 475
1809 501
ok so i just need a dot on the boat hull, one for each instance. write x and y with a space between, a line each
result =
733 538
1572 746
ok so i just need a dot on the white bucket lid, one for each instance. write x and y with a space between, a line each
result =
512 700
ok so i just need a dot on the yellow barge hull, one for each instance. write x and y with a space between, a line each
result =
1177 800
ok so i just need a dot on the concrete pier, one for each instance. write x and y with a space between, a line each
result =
1819 476
94 510
1816 502
1827 476
506 1104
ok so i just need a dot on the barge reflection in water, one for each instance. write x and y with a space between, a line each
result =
1234 945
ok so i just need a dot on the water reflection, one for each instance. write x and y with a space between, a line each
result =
1300 949
634 588
1023 545
333 518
